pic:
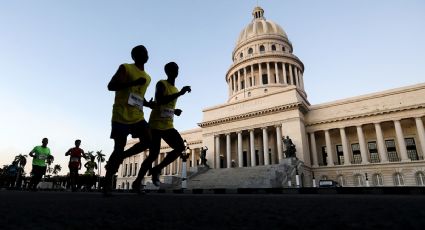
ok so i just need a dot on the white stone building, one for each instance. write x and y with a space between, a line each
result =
379 136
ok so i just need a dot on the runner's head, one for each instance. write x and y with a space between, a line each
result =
171 69
140 54
77 143
45 141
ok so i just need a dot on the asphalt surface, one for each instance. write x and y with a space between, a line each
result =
90 210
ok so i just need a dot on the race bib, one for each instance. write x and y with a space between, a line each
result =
74 159
136 101
167 113
42 157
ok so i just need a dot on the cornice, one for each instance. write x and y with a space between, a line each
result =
370 114
263 112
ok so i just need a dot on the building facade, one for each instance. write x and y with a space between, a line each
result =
376 139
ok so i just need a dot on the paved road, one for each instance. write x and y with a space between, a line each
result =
66 210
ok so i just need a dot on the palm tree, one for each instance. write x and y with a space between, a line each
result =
56 169
100 157
88 155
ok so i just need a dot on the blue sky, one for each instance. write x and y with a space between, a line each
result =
56 57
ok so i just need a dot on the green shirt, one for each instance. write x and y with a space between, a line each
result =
40 155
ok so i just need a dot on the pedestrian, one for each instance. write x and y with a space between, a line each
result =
161 123
74 164
90 165
130 83
39 154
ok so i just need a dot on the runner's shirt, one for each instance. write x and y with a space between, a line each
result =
162 115
75 157
128 105
40 155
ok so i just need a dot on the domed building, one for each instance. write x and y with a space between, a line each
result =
376 139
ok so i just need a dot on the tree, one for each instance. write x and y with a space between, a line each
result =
100 157
56 169
88 155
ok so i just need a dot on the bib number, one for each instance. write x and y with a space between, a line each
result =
167 113
136 101
74 159
42 157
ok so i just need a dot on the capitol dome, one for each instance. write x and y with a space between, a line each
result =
259 27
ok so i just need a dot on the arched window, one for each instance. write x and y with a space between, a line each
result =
241 55
283 48
398 179
273 48
341 180
420 179
249 94
262 49
358 180
377 180
250 51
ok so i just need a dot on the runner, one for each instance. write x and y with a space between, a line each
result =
90 165
129 83
161 123
74 164
39 154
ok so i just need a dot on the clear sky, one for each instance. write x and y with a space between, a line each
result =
56 58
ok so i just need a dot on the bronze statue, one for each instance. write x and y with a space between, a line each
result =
290 149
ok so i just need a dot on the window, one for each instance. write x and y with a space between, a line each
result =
273 48
373 152
391 150
262 49
122 185
340 154
377 180
135 169
411 149
250 51
241 55
131 169
341 180
358 180
283 48
398 179
242 84
324 156
250 81
265 79
124 173
420 179
249 94
357 158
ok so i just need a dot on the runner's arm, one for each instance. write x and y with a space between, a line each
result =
119 80
161 99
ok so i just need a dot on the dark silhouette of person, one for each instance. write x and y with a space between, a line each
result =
39 154
90 165
74 164
161 123
130 83
204 156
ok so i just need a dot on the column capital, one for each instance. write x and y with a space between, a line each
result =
278 125
264 128
239 131
227 134
359 126
418 118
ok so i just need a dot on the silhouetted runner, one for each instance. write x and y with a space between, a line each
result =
39 154
74 164
129 83
90 165
161 123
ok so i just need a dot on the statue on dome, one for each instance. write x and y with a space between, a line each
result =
289 147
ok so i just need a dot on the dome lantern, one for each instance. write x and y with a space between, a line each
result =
258 13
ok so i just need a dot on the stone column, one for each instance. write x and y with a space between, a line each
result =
266 146
217 151
252 75
260 71
192 158
172 168
279 143
314 149
329 148
233 82
245 83
276 70
291 78
421 133
228 151
400 141
380 143
297 83
300 74
238 82
345 148
284 73
362 143
240 158
268 73
252 147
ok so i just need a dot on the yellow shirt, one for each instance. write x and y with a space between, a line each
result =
162 115
124 111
